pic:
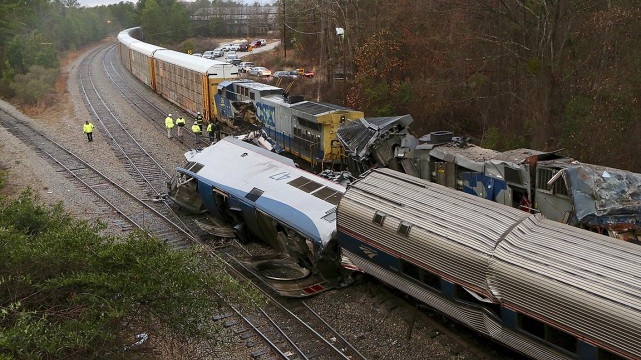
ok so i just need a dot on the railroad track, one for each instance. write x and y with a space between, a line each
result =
284 328
109 196
140 102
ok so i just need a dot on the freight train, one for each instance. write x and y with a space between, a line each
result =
542 288
598 198
305 129
188 81
545 289
593 197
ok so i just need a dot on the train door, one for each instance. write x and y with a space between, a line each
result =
552 197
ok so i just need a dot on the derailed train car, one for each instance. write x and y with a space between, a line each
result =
188 81
306 129
547 290
598 198
267 198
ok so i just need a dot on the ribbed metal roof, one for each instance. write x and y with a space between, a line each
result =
586 284
314 108
195 63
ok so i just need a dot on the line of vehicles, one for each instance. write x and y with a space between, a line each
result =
428 216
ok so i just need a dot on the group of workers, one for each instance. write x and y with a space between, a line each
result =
213 128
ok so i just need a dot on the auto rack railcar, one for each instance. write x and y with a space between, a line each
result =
545 289
185 80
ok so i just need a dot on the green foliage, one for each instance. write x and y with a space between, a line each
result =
31 88
68 292
491 138
32 50
187 45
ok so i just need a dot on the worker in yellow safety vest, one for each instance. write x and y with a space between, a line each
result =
196 129
180 122
88 129
199 120
169 124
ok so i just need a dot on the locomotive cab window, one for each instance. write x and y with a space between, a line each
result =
549 334
544 175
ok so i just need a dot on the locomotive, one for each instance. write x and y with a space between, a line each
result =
305 129
598 198
267 198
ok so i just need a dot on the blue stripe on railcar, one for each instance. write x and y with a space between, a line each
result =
367 251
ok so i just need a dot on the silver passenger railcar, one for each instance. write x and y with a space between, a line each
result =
545 289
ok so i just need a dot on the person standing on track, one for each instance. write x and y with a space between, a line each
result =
210 132
196 129
199 120
169 124
88 129
180 122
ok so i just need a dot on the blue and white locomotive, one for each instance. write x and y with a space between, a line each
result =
268 198
306 129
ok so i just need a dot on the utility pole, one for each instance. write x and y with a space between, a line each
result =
284 31
322 48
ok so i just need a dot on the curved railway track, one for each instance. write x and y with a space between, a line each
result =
138 101
287 328
110 196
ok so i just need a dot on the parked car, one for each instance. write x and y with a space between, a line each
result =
233 59
286 74
254 44
260 71
263 42
245 66
243 47
305 73
209 54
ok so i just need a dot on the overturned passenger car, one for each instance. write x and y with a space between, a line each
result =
266 197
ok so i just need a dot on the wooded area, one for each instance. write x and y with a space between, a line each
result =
539 74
